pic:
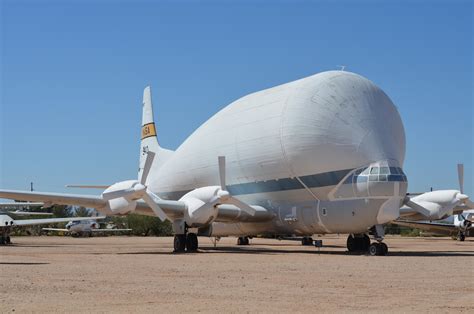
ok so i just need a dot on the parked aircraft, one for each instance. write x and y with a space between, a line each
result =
454 225
436 205
85 228
323 154
7 223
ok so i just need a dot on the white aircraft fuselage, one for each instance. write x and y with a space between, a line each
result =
324 154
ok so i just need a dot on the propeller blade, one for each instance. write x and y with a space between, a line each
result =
146 168
243 206
461 177
116 194
156 209
222 172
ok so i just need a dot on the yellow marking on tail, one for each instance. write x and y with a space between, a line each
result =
148 130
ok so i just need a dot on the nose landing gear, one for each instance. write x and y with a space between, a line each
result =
361 242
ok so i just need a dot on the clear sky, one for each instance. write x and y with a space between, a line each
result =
73 73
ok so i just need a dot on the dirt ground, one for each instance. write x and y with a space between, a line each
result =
134 274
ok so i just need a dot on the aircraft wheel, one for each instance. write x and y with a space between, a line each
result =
384 249
179 243
243 241
374 249
8 240
307 241
351 243
191 242
2 240
365 243
462 237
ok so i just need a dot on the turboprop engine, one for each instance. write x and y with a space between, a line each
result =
462 223
122 196
437 204
202 203
440 204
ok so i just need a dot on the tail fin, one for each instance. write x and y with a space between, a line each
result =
149 140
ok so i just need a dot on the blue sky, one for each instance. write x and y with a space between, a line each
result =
73 73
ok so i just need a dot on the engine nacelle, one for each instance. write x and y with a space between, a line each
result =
463 224
197 199
121 205
439 203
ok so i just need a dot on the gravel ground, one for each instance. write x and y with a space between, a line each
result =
134 274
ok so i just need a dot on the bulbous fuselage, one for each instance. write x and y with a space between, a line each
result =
324 153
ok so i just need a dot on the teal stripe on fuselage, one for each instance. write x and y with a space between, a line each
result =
276 185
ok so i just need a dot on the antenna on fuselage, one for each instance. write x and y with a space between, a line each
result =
342 67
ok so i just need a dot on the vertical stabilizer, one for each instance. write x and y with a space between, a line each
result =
149 139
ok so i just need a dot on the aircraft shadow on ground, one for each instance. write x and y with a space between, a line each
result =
266 251
24 263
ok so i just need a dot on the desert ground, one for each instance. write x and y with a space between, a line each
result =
137 274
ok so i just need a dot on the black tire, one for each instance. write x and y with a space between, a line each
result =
383 249
8 240
365 243
179 243
351 243
191 242
462 237
374 249
243 241
2 240
307 241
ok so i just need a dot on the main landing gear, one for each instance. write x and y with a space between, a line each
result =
307 241
361 242
243 241
5 236
461 236
184 241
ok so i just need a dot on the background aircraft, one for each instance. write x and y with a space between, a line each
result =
436 205
459 224
85 228
7 223
323 154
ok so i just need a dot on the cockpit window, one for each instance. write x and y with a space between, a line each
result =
374 170
378 174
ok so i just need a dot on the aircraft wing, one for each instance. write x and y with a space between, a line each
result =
90 201
426 225
110 230
173 209
55 229
27 222
19 204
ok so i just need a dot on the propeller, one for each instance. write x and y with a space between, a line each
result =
139 190
461 196
461 177
225 195
222 196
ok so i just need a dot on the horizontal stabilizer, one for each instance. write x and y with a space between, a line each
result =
81 186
